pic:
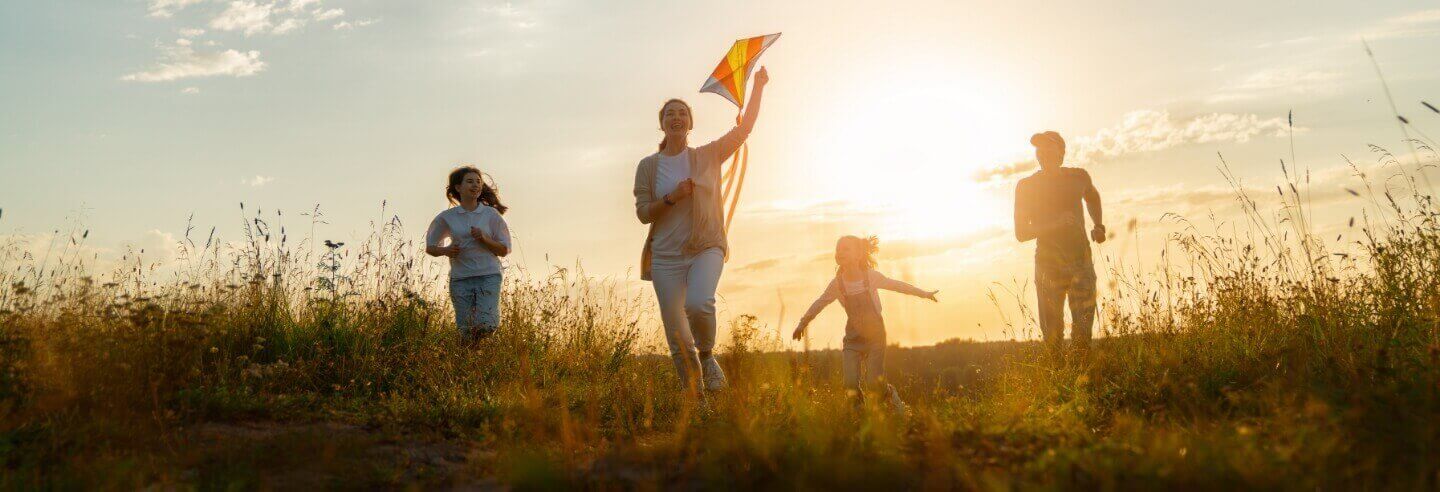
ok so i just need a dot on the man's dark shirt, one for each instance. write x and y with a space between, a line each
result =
1042 198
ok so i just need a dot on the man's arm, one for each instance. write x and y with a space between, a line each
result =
1024 231
1092 205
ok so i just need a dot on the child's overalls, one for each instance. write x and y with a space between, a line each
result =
864 339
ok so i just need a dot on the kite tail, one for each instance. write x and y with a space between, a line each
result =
734 178
743 158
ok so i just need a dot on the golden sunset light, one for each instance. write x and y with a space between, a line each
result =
744 245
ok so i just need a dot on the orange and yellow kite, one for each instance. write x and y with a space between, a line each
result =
733 74
729 80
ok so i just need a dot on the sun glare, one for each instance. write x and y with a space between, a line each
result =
914 153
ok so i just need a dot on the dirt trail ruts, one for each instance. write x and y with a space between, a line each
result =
285 455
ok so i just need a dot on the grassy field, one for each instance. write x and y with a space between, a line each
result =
1267 360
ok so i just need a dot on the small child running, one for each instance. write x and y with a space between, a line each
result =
856 286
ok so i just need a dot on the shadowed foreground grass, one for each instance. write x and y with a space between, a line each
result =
1240 364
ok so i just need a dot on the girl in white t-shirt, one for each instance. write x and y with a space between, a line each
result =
856 285
478 237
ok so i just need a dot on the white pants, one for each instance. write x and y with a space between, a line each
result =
685 287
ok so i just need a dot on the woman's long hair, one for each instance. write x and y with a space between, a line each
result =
662 116
489 193
868 245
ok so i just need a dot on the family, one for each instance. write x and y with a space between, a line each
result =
678 194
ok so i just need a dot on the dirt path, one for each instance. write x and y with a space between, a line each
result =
284 455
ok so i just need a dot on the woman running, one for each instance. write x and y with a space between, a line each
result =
677 192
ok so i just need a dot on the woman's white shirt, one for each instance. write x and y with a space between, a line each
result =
474 259
673 228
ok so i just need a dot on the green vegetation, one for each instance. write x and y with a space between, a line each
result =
1257 360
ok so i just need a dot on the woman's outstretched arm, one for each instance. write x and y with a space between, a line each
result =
727 144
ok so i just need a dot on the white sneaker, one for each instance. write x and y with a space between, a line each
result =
714 377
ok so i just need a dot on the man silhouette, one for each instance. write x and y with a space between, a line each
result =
1048 210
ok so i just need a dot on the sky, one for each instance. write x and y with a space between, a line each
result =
907 120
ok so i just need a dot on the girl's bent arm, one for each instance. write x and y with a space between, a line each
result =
500 244
434 236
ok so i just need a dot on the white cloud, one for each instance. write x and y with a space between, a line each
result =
1419 23
182 62
167 8
299 5
1289 42
190 90
324 15
514 17
154 248
244 15
257 181
343 25
1151 130
182 42
288 25
191 32
1279 81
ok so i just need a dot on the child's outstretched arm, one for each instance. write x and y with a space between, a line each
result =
893 285
825 299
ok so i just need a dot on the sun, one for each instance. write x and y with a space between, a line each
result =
913 151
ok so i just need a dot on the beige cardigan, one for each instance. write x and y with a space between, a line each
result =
707 226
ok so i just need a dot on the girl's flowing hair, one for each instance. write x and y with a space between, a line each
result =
489 193
662 115
869 244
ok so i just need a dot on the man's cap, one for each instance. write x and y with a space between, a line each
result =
1048 139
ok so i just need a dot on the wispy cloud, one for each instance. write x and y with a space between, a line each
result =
514 17
156 247
296 6
168 8
812 213
1419 23
1274 82
253 18
248 17
1289 42
288 25
257 181
1151 131
243 15
181 61
325 15
190 90
343 25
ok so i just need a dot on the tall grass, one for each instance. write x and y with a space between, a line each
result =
1268 357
